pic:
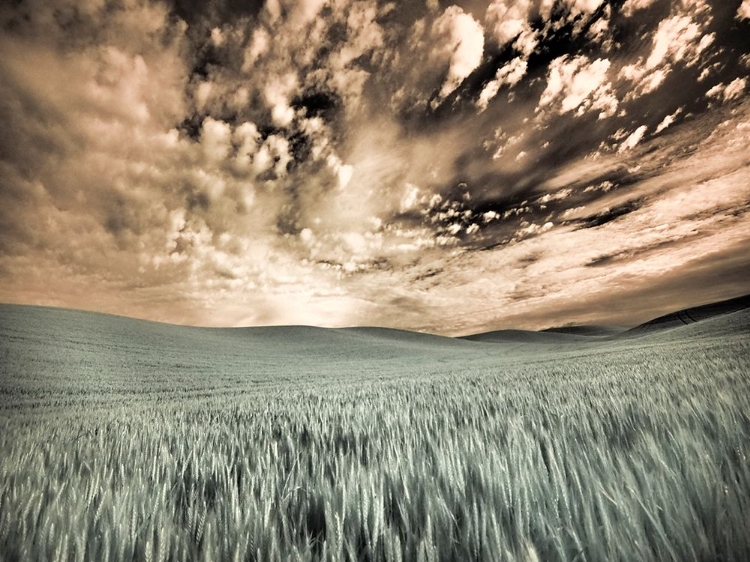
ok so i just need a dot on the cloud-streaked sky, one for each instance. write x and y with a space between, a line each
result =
444 167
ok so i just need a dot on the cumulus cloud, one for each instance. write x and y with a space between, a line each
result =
527 42
600 32
678 39
580 85
509 21
247 138
256 48
667 121
364 34
510 74
530 229
277 95
506 20
216 140
545 8
410 198
465 41
556 196
365 37
575 8
631 6
342 171
304 12
273 155
583 6
633 139
575 12
727 92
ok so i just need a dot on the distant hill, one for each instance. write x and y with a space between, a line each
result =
569 334
594 331
689 316
524 336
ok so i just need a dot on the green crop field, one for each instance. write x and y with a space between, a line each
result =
129 440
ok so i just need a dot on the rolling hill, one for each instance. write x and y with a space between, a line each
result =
122 439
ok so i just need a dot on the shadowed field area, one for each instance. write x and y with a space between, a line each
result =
129 440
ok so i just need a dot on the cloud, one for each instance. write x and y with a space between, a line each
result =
678 221
464 38
364 33
216 140
579 84
97 135
303 12
277 94
410 198
575 8
600 32
247 138
342 171
727 92
545 9
530 229
583 6
526 43
274 155
293 163
631 6
365 38
558 196
506 20
633 139
570 12
667 121
256 48
510 74
678 39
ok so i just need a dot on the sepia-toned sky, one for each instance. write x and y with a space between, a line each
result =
427 165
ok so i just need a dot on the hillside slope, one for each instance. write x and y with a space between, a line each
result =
693 315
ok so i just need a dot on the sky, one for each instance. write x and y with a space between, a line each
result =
448 167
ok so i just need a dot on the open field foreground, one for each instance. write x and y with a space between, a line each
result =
128 440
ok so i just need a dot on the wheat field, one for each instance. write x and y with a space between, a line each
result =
125 440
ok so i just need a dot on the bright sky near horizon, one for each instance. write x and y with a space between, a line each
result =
426 165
